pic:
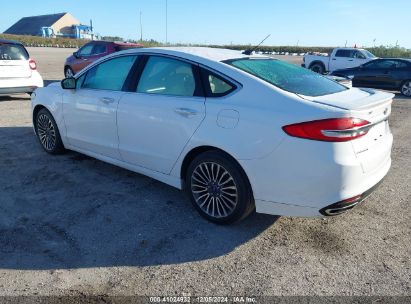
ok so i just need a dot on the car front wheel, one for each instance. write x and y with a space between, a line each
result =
406 88
218 188
48 133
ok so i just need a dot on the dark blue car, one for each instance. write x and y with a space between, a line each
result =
384 73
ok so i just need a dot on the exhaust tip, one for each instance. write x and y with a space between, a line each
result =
347 204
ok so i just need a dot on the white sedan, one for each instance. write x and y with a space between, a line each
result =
18 73
237 132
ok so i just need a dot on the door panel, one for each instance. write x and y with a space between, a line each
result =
90 111
156 122
90 118
154 129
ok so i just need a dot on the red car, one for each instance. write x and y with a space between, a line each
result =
92 51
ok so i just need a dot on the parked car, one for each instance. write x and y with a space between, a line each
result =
18 72
237 132
340 58
92 51
388 73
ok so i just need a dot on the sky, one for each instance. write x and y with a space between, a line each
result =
290 22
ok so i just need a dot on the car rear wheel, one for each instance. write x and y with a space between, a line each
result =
48 133
317 68
406 88
68 72
218 188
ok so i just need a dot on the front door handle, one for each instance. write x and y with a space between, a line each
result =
107 100
186 112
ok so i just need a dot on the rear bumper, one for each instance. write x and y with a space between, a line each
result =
29 89
302 177
21 85
343 206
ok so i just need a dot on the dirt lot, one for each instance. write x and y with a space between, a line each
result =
72 225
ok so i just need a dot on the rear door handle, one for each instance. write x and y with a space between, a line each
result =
186 112
107 100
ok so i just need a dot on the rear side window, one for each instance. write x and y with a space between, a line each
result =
109 75
13 52
344 53
167 76
288 77
214 85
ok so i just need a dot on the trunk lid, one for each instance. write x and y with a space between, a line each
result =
353 99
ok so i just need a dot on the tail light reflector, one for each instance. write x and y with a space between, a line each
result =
332 130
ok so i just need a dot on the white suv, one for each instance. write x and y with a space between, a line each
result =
18 73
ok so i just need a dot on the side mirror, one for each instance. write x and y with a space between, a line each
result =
75 54
69 83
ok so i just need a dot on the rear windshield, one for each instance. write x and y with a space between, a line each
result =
288 77
13 52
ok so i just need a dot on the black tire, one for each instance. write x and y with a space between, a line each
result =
48 133
317 68
68 72
406 88
218 190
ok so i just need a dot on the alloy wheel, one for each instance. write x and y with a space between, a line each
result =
46 132
214 189
406 89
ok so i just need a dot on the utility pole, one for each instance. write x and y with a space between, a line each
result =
141 28
166 22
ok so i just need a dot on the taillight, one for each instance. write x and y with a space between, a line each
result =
32 64
333 130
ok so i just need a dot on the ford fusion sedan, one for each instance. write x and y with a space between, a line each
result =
91 52
237 132
387 74
18 73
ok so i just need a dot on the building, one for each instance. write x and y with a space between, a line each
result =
55 25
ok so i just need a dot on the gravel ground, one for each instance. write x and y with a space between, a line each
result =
72 225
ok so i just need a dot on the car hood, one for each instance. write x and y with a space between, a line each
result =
353 99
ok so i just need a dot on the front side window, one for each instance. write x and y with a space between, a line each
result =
288 77
86 50
99 49
13 52
109 75
359 55
166 76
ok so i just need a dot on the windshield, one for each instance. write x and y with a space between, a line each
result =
368 54
13 52
288 77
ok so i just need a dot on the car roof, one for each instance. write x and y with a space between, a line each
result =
213 54
10 41
116 43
